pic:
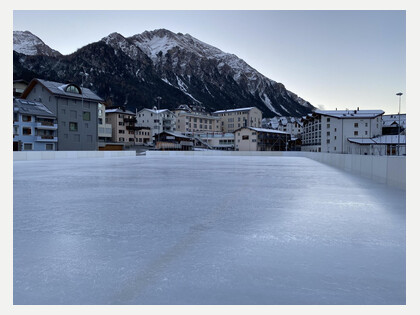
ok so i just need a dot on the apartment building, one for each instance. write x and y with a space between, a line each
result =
104 129
122 122
328 131
34 127
157 120
76 109
233 119
261 139
291 125
311 132
195 120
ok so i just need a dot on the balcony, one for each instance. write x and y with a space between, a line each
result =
46 138
46 125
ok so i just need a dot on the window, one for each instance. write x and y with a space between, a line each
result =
27 146
73 89
365 133
328 133
245 137
73 126
328 125
366 124
328 140
86 116
356 133
100 121
328 120
49 147
26 118
356 125
26 131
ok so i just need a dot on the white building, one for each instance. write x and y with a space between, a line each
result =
328 131
291 125
381 145
104 129
157 120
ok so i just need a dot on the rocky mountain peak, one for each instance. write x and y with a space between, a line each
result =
26 43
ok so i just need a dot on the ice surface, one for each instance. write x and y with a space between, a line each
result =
204 230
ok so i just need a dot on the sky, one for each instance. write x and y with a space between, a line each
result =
333 59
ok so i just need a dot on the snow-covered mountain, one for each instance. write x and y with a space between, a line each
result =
179 68
28 44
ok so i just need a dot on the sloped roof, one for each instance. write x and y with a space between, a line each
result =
233 110
32 108
57 88
119 110
349 114
386 139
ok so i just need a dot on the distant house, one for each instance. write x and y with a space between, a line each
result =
34 127
158 120
76 109
381 145
18 87
232 119
167 140
261 139
393 124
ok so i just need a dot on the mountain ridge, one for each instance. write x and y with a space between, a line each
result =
181 67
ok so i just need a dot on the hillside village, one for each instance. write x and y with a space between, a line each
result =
54 116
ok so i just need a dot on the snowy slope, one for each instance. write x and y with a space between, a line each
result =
28 44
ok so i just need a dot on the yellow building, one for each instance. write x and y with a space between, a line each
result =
232 119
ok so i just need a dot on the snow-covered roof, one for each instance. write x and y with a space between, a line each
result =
345 114
156 111
175 134
265 130
119 110
386 139
233 110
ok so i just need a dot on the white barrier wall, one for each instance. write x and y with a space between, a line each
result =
389 170
56 155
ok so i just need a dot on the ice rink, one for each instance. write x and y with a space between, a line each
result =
204 230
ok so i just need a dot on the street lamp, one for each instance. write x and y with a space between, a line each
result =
399 122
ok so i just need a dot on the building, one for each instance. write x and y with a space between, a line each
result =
232 119
104 129
260 139
291 125
390 124
217 141
76 109
157 120
119 118
168 140
34 127
328 131
381 145
194 119
311 133
18 87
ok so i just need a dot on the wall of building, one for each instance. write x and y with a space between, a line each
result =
70 111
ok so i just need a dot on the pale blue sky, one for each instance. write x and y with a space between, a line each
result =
333 59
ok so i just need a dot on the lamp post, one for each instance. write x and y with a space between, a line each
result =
158 118
399 122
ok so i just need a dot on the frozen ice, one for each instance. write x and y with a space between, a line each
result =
204 230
